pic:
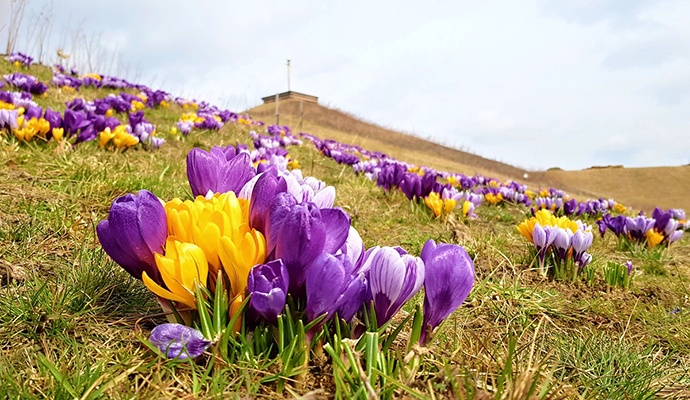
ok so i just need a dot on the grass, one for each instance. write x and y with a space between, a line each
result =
74 325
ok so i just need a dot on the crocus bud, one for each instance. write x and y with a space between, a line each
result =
267 284
393 279
327 278
449 277
134 231
301 232
213 171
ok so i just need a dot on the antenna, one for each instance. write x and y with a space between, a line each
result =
288 73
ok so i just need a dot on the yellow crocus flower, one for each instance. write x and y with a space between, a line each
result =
214 224
493 199
545 218
94 76
239 256
653 238
137 105
6 106
105 136
466 206
58 133
438 205
182 267
293 164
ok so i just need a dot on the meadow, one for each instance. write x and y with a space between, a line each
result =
74 324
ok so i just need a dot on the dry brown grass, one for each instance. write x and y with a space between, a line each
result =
641 188
328 123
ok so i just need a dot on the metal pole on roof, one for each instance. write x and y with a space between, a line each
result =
288 72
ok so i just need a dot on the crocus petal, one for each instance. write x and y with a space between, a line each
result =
327 277
393 279
265 189
135 230
337 224
449 277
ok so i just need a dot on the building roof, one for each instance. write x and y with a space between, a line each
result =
290 95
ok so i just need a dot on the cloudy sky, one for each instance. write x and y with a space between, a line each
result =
537 84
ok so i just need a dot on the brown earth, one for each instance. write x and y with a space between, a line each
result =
639 188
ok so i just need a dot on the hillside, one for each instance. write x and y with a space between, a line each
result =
640 188
341 126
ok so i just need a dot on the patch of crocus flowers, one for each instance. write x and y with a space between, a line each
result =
19 59
662 229
273 237
560 244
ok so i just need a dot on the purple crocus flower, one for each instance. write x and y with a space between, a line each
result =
569 207
448 280
616 224
581 242
355 294
214 172
298 233
629 265
53 117
637 227
353 248
74 121
136 228
411 186
179 341
327 277
157 142
8 119
266 186
393 279
267 284
561 241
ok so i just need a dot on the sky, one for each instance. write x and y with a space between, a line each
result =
534 83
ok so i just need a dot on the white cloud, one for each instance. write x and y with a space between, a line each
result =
538 84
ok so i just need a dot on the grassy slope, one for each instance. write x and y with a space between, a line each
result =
75 311
642 188
335 124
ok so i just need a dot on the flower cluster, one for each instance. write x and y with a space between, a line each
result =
663 228
84 121
26 83
17 59
272 235
560 244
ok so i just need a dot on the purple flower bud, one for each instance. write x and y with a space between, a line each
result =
136 228
301 232
355 294
267 284
581 242
561 241
213 171
179 341
327 277
393 279
265 189
449 277
629 265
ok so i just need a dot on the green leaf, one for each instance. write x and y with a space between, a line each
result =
204 316
45 362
